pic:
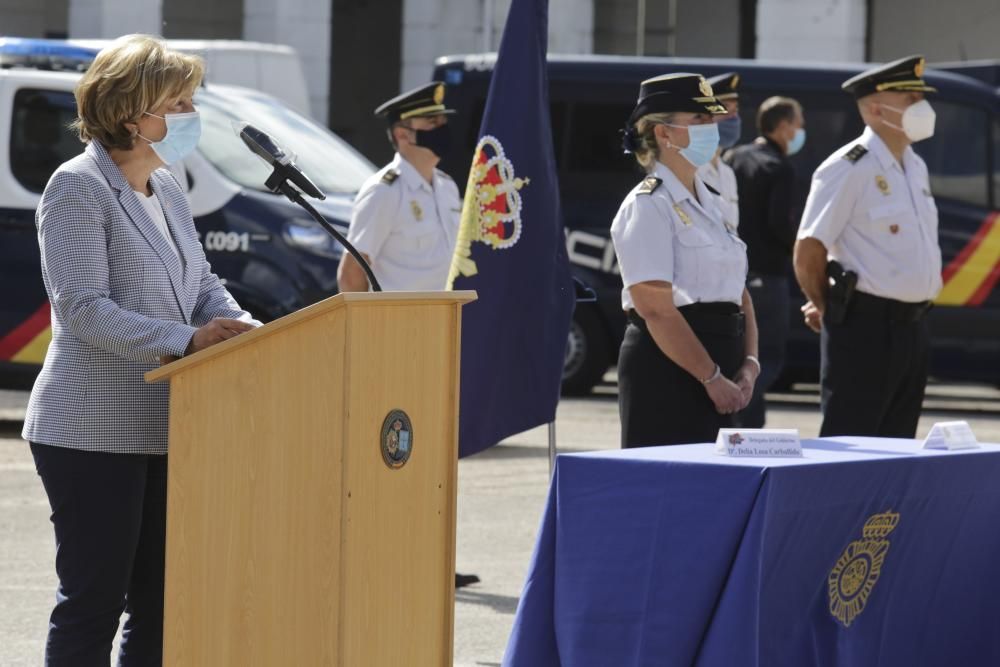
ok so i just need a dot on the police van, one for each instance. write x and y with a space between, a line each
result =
592 96
272 256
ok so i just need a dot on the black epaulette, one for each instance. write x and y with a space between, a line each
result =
856 153
649 184
390 176
711 189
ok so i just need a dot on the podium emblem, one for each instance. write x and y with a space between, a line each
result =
396 441
857 570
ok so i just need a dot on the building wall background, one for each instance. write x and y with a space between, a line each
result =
34 18
203 19
687 28
358 53
813 30
942 31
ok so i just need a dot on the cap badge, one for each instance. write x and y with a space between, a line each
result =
883 185
735 81
439 94
418 212
918 69
705 87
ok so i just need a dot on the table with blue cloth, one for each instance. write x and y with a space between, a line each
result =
865 551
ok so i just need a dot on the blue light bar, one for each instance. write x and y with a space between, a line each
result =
48 54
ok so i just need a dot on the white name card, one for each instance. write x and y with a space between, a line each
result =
951 435
769 442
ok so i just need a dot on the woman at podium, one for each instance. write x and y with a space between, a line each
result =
128 283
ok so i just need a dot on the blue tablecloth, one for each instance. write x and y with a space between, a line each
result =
864 552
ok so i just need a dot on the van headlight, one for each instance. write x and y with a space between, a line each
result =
308 235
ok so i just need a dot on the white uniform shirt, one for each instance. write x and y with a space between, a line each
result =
407 226
877 219
155 211
722 177
669 235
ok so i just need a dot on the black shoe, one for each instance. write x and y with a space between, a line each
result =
462 580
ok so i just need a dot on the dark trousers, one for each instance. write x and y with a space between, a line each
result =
662 404
109 513
770 304
873 370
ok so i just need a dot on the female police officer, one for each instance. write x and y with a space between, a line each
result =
688 362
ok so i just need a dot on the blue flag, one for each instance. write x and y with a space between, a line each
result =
511 249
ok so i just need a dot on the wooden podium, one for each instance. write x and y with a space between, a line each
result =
291 537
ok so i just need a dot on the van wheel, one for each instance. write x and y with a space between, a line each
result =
587 357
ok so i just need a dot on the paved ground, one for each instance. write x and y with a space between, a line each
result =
501 495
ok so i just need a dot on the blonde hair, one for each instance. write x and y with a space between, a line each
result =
134 75
649 151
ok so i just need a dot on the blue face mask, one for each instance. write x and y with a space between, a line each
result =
183 133
797 142
704 139
730 130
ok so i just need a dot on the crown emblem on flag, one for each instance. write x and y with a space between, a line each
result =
491 213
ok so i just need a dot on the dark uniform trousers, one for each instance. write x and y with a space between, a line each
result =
662 404
874 368
109 513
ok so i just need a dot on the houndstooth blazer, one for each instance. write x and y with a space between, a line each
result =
120 299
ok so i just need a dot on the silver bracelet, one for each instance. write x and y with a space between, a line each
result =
715 376
756 362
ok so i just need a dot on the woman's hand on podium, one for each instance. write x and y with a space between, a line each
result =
216 331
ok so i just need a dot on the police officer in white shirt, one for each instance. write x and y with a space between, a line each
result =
715 173
406 216
688 361
868 259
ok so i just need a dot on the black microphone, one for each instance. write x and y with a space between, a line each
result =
271 152
285 170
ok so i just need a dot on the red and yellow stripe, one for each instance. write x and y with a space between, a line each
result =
27 343
972 275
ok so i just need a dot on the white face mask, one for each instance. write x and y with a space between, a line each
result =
918 120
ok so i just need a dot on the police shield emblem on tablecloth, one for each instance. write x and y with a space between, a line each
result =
396 441
857 570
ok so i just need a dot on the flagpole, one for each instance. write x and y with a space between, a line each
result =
552 446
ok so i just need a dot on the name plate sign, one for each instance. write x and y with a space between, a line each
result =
951 435
760 442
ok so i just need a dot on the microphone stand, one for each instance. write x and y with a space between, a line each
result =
278 182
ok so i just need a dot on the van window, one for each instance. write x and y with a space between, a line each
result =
40 138
327 159
956 155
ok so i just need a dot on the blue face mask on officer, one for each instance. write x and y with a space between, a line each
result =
730 130
703 141
183 133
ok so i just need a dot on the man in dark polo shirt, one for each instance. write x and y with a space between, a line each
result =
765 179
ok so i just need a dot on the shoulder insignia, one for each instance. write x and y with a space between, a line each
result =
856 153
390 176
649 184
711 189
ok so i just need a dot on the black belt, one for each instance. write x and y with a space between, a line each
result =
896 311
720 319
